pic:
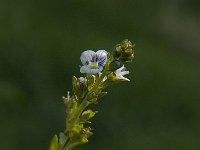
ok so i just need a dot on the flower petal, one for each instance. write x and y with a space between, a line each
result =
87 56
86 69
101 57
83 69
120 74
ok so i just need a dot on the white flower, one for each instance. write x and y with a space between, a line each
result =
120 73
93 62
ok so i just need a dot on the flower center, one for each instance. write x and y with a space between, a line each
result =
93 65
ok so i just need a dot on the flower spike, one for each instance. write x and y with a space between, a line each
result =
101 70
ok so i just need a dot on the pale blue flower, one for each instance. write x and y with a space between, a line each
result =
93 62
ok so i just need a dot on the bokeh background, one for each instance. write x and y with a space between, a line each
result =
40 45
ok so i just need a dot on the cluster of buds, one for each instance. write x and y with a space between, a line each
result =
124 51
79 134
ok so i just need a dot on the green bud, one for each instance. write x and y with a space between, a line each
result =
87 115
124 51
79 87
75 132
127 53
126 44
117 52
86 132
79 135
115 65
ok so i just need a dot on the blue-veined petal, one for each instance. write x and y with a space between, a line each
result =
86 69
101 57
87 56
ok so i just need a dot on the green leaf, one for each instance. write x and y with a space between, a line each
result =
54 143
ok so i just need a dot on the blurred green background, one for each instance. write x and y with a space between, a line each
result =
40 45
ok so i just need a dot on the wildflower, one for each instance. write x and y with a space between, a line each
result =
102 69
93 62
120 73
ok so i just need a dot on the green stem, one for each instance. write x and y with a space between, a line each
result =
69 146
82 106
85 103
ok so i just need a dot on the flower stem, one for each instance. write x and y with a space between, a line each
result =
69 146
81 108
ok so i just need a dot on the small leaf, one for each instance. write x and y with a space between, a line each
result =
54 143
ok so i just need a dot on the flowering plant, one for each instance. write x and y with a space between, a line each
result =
102 69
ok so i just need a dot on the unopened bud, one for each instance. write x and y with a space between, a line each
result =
79 86
87 115
86 132
124 51
115 65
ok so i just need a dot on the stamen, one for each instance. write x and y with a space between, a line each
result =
93 65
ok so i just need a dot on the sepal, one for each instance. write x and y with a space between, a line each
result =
87 115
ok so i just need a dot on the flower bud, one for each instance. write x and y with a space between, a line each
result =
86 132
124 51
84 135
115 65
87 115
126 44
117 52
79 86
